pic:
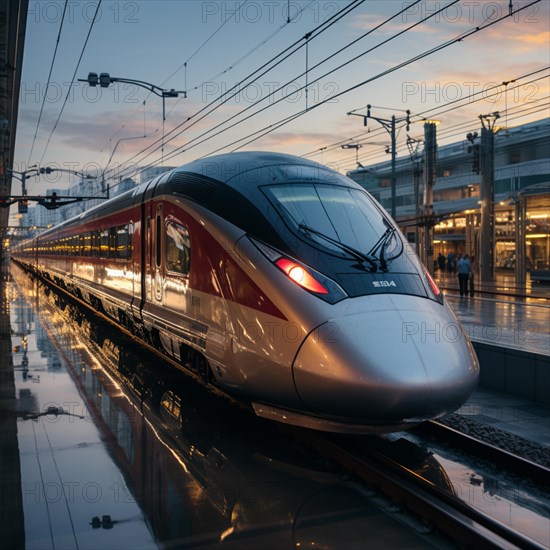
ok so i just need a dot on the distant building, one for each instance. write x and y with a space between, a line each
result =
29 218
522 169
45 217
82 188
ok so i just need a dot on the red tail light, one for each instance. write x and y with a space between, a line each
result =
300 275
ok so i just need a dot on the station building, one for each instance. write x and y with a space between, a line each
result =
521 184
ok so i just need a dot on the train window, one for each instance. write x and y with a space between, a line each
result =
123 241
95 244
104 243
178 248
79 245
113 243
341 213
87 245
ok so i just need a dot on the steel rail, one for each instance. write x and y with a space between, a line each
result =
446 512
465 442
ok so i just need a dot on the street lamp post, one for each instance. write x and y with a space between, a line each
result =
24 176
105 79
50 202
23 203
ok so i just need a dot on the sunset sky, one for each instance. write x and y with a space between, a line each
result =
207 47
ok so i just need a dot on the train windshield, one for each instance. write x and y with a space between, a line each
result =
337 218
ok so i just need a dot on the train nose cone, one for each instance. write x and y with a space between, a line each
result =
387 363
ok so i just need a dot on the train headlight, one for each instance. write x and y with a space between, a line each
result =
300 276
437 294
304 276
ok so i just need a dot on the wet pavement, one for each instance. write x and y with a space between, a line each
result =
502 313
516 325
504 285
108 446
117 449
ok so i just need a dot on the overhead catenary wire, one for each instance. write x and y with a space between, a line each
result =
254 49
254 76
272 127
48 82
456 130
205 42
436 112
273 103
516 113
73 79
230 67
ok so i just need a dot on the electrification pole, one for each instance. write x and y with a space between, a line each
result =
390 127
413 145
487 159
430 155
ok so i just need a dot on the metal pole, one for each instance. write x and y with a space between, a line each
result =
520 267
416 175
430 149
487 204
393 155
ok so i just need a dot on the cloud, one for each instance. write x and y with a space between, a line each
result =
539 39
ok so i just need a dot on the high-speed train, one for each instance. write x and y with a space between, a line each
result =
278 281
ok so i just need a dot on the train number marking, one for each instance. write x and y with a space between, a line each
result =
379 284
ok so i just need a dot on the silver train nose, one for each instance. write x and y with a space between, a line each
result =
401 360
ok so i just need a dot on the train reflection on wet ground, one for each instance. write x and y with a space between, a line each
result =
119 450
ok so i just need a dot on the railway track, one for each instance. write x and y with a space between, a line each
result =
510 461
435 506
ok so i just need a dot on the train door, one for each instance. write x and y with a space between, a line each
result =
148 261
158 263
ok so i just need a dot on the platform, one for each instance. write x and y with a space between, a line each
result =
517 325
512 414
512 342
504 284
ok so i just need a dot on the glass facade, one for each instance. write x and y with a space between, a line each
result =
521 196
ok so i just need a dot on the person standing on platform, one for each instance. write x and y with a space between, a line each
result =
451 262
473 267
441 263
464 269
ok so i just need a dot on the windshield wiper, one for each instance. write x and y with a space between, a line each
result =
359 256
381 244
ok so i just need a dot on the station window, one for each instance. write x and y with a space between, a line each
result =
178 248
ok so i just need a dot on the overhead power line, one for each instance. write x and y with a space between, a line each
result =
435 112
251 78
72 81
48 83
272 127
